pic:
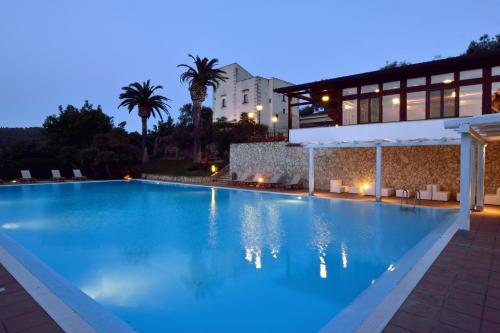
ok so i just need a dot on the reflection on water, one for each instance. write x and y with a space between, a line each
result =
344 255
212 219
321 240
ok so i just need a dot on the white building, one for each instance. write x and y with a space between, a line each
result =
243 92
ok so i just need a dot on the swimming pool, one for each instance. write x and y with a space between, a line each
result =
180 258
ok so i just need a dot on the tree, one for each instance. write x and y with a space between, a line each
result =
395 64
484 44
186 116
143 97
200 77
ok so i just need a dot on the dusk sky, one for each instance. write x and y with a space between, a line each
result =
64 52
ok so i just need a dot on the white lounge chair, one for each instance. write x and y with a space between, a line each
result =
56 176
274 181
426 194
384 191
492 199
337 187
439 195
26 177
295 183
78 175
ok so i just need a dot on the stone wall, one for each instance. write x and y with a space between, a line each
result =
412 167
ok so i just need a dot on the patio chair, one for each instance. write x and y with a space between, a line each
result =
56 176
274 181
492 199
77 175
295 183
337 187
26 177
239 180
427 193
439 195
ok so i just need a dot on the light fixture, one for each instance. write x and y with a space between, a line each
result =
260 180
300 198
250 115
447 81
366 186
213 168
377 90
127 177
336 125
325 98
395 101
453 94
274 119
259 107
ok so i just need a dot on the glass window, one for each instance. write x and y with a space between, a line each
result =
415 105
245 98
390 108
223 102
435 104
442 78
349 91
419 81
390 85
495 97
374 110
364 107
369 88
471 100
349 112
472 74
495 70
449 102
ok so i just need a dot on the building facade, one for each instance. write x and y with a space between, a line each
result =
243 92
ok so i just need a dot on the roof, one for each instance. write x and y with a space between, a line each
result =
407 71
487 127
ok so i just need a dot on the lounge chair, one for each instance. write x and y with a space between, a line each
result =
240 180
337 187
426 194
274 181
439 195
56 176
295 183
254 181
78 175
385 191
26 177
492 199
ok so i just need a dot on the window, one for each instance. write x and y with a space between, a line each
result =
369 88
390 85
415 105
495 70
442 78
349 112
283 98
390 108
471 100
223 102
369 110
495 97
349 91
442 103
472 74
245 97
419 81
284 111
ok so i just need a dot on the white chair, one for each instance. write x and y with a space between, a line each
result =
78 175
492 199
274 181
438 195
337 187
295 183
405 194
26 177
355 190
426 194
56 176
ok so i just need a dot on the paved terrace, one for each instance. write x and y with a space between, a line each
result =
459 293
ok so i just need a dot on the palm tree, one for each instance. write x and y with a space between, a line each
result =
200 77
147 103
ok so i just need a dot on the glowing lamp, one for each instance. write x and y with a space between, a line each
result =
127 177
14 181
366 186
325 98
274 119
260 180
447 81
259 107
213 168
250 115
300 198
395 101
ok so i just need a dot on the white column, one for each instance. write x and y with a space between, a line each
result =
465 188
311 171
472 174
481 151
378 174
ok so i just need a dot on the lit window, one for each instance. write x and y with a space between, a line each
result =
471 100
349 112
390 108
472 74
369 88
419 81
349 91
495 97
415 105
442 78
390 85
369 110
223 102
495 71
364 108
442 103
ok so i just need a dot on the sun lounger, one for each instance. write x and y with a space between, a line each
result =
426 194
56 176
26 177
78 175
337 187
439 195
274 181
492 199
241 179
254 181
295 183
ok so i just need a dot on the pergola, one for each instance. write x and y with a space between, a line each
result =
475 133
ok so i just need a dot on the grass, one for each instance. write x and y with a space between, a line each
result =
173 168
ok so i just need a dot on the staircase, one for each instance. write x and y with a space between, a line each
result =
222 175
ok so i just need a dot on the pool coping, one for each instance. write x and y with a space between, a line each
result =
95 318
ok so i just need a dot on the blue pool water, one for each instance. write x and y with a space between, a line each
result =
173 258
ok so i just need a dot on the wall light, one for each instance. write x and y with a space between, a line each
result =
395 101
259 107
447 81
213 168
366 186
325 98
260 180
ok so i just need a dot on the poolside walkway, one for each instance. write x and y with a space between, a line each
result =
19 312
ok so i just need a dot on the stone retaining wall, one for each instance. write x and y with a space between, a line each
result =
179 179
401 166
